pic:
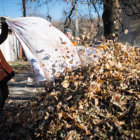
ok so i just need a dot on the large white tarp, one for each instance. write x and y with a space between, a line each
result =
47 49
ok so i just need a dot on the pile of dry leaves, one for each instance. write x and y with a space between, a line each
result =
100 101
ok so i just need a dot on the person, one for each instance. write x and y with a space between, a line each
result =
6 71
69 34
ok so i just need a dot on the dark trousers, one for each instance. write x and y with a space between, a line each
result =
4 91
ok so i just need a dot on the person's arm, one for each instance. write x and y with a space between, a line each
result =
4 31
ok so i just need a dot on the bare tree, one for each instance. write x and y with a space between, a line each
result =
111 13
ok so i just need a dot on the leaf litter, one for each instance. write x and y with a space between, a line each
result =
99 101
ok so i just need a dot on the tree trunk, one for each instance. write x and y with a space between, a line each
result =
111 19
24 7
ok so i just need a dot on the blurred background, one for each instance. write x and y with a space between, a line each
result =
90 20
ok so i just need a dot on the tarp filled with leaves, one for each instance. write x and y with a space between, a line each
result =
47 49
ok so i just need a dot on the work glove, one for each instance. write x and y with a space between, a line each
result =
4 31
2 19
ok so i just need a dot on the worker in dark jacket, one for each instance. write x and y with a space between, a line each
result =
6 72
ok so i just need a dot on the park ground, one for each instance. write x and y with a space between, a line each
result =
22 88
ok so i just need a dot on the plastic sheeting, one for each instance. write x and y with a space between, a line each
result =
48 50
88 55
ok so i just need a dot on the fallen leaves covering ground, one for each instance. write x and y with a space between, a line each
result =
100 101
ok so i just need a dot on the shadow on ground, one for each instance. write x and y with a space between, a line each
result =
23 89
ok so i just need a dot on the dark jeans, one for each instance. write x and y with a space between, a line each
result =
4 91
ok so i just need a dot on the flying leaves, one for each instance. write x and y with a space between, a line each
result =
98 101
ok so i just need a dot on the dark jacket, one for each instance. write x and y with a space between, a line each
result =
6 71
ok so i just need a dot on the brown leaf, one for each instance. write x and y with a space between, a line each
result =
96 101
60 115
81 126
65 83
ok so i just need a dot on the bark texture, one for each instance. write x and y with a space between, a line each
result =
111 19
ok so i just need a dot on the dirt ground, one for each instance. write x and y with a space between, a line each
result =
22 87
